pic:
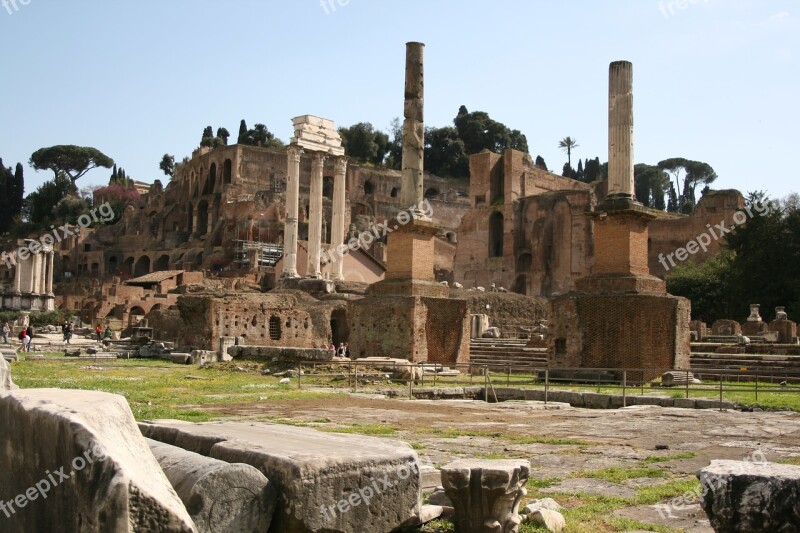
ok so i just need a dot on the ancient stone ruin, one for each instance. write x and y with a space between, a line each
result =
603 323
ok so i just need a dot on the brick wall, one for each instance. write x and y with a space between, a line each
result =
621 331
620 244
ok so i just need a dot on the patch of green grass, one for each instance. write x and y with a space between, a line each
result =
157 390
657 459
454 433
534 484
617 474
555 441
627 524
791 461
497 455
363 429
438 526
658 493
417 446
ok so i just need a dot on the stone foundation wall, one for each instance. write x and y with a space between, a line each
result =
418 329
279 318
620 331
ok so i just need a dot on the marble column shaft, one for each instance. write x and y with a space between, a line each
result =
17 276
51 263
412 188
620 129
292 206
315 217
337 231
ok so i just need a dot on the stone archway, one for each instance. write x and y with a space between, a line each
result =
142 267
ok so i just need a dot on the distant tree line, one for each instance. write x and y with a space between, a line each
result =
447 149
12 190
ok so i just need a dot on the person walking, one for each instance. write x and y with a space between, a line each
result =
26 341
67 331
99 332
6 332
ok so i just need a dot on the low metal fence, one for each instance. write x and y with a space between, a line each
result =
717 382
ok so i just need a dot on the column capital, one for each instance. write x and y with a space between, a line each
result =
340 165
318 158
294 153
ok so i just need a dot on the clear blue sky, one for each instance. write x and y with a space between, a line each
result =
714 80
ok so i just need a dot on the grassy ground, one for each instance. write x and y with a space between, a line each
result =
156 389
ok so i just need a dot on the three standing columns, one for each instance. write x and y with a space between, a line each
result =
316 211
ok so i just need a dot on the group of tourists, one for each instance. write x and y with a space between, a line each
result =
67 330
24 336
342 351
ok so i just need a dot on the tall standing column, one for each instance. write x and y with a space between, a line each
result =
36 273
292 206
17 276
620 130
43 263
51 263
412 188
315 217
337 231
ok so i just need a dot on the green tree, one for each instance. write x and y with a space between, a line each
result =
242 139
359 142
767 256
479 132
17 191
707 285
38 209
382 140
692 174
594 171
579 174
167 165
223 134
261 136
394 159
6 178
540 163
567 144
208 137
445 154
69 161
650 185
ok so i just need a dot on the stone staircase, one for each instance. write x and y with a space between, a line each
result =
771 362
502 353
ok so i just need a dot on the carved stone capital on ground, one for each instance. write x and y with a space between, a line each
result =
486 493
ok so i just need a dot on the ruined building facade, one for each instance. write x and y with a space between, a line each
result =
527 229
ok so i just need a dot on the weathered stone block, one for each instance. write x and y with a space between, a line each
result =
326 482
5 376
742 496
685 403
592 400
486 493
219 496
83 449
